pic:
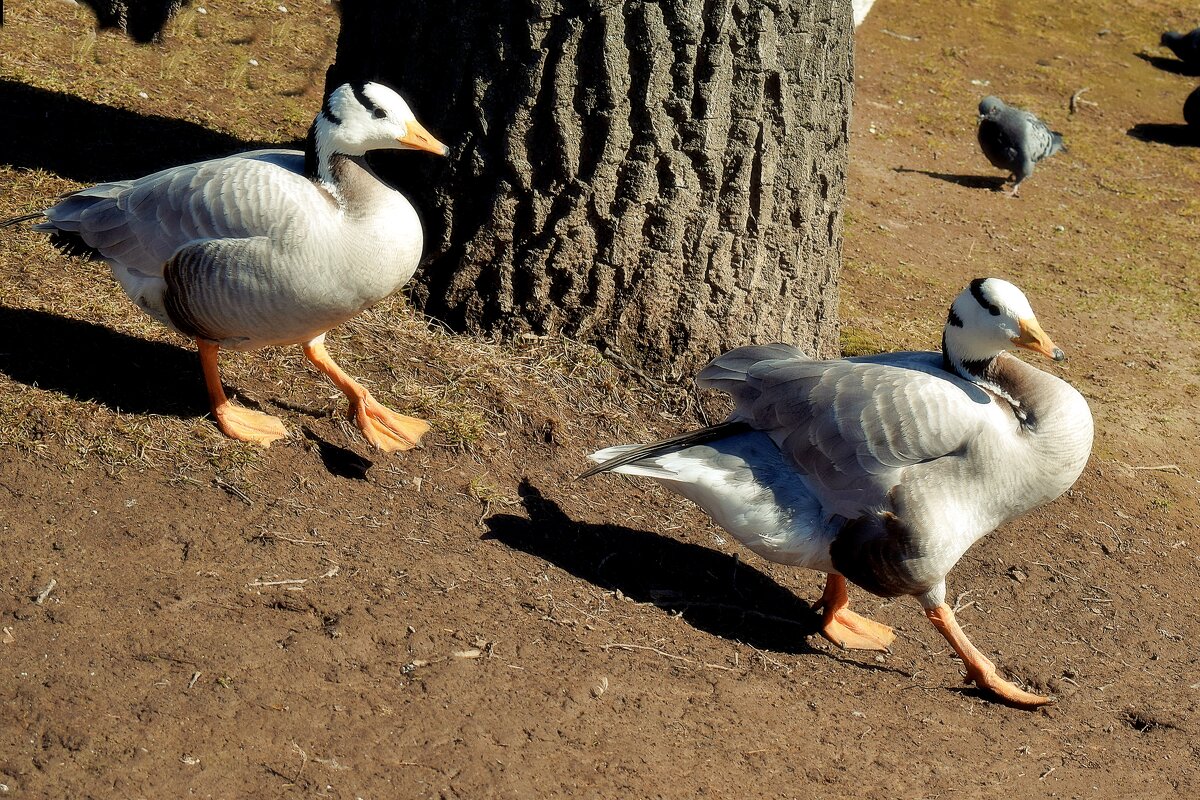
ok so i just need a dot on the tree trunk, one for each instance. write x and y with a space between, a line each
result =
661 178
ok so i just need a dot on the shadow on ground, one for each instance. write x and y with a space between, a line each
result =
1172 65
86 361
89 142
1174 134
712 591
992 182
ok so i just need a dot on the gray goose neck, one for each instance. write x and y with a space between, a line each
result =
983 373
347 179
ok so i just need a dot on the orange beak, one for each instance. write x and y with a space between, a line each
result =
1034 338
420 139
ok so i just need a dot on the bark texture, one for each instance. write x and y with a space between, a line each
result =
662 178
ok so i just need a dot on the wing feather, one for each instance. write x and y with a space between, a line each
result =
848 423
143 223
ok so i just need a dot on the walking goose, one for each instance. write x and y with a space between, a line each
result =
883 470
270 247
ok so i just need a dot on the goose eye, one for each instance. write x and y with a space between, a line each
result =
380 113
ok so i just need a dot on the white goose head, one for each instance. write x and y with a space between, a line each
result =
357 118
990 316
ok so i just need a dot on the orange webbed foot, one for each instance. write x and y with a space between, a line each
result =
852 631
384 428
246 425
845 628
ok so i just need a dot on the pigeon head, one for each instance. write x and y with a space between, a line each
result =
989 316
1169 38
990 105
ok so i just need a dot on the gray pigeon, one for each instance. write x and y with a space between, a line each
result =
1013 139
1184 45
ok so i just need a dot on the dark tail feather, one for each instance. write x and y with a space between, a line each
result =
1058 141
8 223
674 443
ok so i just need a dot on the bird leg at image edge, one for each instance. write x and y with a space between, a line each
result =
381 426
979 668
843 627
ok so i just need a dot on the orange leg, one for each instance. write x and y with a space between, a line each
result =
979 668
381 426
845 628
234 421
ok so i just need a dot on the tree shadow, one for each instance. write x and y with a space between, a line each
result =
90 362
1175 134
710 590
993 182
1172 65
89 142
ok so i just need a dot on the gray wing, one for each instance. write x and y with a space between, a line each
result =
1037 140
141 223
852 423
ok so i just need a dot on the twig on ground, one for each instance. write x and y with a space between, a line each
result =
1077 100
903 36
281 537
663 653
44 593
303 761
1055 570
233 490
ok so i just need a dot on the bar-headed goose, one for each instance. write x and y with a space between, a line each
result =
883 470
270 247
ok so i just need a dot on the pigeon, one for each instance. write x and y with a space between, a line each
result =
1014 140
1186 46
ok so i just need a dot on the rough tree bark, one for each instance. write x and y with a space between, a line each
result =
662 178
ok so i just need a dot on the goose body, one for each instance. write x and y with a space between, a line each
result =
270 247
1014 140
882 470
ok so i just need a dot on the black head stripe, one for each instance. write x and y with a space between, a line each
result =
953 318
360 94
327 110
981 298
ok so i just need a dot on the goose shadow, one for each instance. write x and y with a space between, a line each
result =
1172 65
86 361
713 592
993 182
89 142
341 462
1175 134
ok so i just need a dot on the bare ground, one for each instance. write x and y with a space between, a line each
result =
467 620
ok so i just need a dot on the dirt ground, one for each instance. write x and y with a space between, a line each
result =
186 616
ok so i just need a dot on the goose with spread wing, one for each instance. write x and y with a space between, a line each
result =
883 470
270 247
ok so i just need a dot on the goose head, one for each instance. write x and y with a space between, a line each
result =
357 118
988 317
